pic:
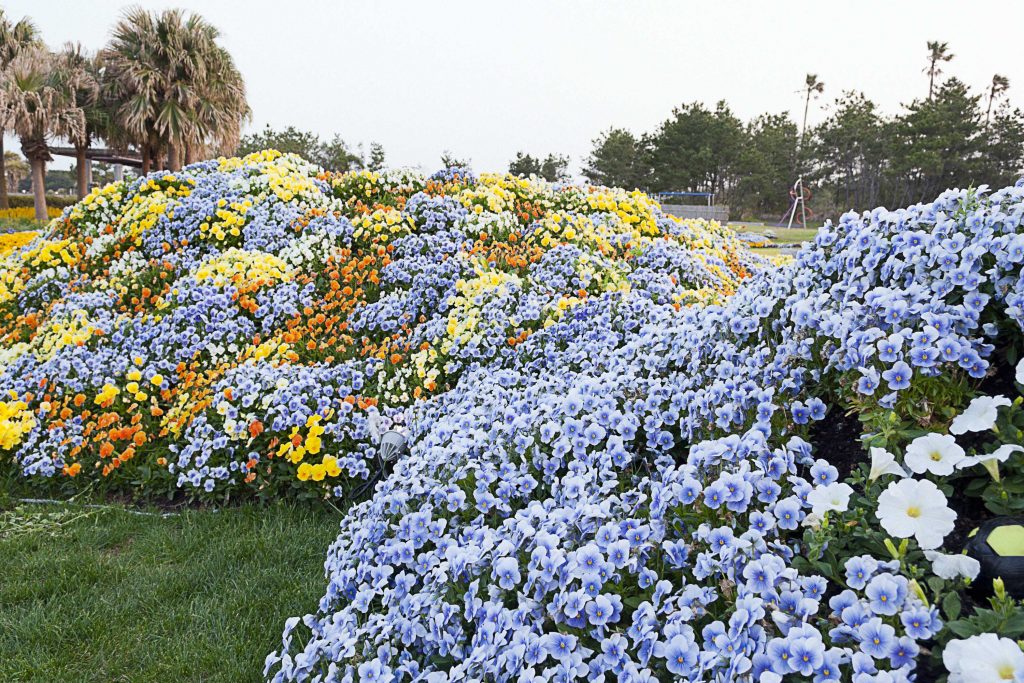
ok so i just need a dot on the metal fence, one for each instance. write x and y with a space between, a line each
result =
712 213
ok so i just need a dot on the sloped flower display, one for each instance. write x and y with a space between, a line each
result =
636 452
759 489
253 325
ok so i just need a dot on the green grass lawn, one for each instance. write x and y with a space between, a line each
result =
113 596
782 235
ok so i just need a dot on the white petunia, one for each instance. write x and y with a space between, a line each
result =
953 566
1001 454
979 416
834 496
985 658
935 453
884 462
915 507
991 460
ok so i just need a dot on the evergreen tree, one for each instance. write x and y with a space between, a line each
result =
377 161
696 149
524 165
617 160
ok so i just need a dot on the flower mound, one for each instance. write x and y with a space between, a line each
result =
253 325
639 491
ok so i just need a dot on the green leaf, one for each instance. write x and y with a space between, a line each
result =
951 605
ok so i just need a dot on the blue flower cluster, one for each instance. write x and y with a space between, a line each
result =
623 496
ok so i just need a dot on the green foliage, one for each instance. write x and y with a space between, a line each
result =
553 168
617 160
1006 617
449 160
377 160
55 180
19 201
333 155
855 158
1003 490
767 164
696 149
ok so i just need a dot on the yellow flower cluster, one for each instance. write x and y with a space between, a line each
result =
27 213
464 316
99 200
235 163
287 180
106 395
296 448
143 213
635 209
560 226
243 268
369 184
228 220
327 467
56 334
51 253
15 240
493 194
16 420
382 225
133 386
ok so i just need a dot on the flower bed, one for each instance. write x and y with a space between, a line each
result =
251 326
636 450
760 489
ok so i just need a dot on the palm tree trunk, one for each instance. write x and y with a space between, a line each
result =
147 159
190 154
82 166
5 203
173 158
39 186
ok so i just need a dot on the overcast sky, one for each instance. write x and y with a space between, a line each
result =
485 79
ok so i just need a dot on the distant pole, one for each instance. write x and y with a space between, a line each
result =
118 173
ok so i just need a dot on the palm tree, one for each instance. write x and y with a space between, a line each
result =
39 105
79 73
221 106
13 39
179 90
1000 84
812 87
937 53
16 170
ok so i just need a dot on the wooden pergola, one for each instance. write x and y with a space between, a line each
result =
103 155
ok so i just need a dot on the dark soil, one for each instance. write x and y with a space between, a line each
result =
837 439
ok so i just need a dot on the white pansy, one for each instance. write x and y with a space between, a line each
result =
834 496
985 658
811 521
935 453
953 566
915 507
979 416
1020 372
884 462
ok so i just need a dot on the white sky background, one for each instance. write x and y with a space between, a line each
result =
485 79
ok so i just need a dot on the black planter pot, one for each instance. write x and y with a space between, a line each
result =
998 545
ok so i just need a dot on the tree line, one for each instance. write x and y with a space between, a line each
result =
857 157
